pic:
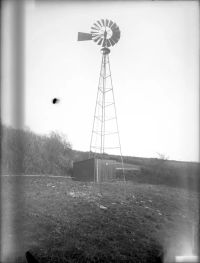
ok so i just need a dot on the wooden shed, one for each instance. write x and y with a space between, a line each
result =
94 169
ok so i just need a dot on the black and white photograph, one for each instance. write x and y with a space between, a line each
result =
100 131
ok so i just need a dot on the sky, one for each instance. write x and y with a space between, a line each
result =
155 73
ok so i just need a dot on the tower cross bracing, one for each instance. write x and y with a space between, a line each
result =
105 132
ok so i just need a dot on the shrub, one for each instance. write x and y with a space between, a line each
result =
24 152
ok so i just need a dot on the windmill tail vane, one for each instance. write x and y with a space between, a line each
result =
84 36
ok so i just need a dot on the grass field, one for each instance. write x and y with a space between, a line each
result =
60 220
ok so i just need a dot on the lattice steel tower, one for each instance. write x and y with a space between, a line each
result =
105 131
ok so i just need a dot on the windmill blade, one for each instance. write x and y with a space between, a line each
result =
108 43
112 42
99 23
94 28
84 36
115 39
110 23
97 26
116 35
96 39
103 22
114 26
95 36
107 22
116 30
94 33
100 41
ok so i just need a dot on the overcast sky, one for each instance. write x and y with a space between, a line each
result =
155 72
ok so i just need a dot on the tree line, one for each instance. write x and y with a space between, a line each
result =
24 152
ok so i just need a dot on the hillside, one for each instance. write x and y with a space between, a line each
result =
24 152
157 171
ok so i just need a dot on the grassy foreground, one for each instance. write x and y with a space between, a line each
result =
60 220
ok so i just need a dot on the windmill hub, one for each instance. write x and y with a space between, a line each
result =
106 33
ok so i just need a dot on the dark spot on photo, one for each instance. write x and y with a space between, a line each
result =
55 100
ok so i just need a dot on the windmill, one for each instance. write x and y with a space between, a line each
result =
105 132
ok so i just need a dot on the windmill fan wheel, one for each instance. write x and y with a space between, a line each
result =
105 33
